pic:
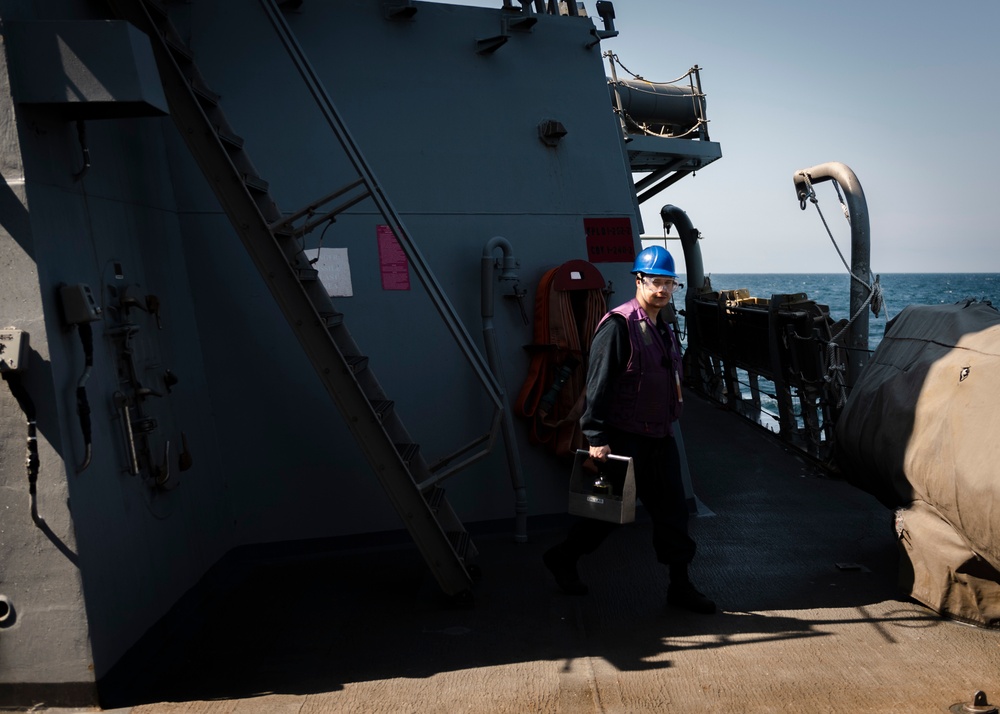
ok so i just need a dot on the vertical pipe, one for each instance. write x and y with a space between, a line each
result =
488 265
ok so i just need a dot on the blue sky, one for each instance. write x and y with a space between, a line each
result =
905 94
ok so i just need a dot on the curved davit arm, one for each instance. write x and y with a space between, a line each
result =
857 335
694 268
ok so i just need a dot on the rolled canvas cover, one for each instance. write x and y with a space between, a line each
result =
921 432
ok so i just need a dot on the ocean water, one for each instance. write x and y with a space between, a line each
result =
898 291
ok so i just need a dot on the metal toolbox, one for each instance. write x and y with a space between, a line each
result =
618 503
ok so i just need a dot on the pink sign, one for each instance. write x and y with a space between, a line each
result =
393 263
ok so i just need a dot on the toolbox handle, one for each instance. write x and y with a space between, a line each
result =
610 456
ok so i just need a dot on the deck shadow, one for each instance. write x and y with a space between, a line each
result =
783 539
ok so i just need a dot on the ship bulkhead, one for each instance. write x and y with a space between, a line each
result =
172 391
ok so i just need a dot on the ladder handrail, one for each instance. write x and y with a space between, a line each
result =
310 210
424 274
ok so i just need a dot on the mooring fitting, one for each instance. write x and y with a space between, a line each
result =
979 705
6 612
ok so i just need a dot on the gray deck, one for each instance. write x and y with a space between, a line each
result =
803 568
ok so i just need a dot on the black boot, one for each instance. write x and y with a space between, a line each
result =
563 567
684 595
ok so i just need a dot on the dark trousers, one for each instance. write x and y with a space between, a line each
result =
659 485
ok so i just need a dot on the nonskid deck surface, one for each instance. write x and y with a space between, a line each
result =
803 568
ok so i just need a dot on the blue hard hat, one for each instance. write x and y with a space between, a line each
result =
654 260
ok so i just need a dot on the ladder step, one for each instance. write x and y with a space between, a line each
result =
307 275
407 452
332 319
460 541
434 498
382 407
180 52
358 363
206 97
232 142
255 183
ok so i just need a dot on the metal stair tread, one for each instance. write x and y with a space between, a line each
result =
255 183
382 407
332 319
357 363
307 274
229 139
407 452
204 94
460 541
178 49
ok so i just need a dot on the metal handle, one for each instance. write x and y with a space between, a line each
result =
610 456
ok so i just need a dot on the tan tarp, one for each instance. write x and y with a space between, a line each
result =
921 431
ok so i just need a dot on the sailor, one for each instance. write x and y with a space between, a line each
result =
633 398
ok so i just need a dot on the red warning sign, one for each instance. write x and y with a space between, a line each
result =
393 263
609 240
